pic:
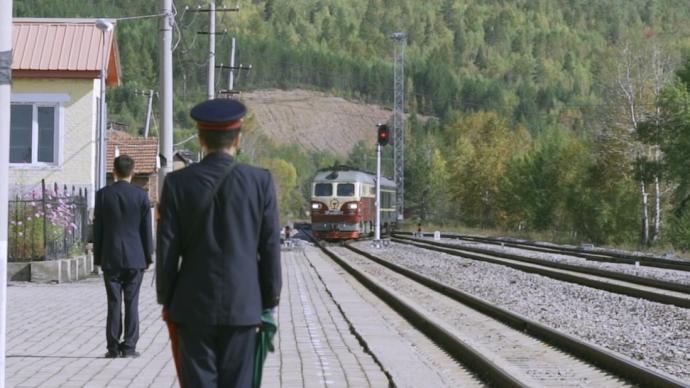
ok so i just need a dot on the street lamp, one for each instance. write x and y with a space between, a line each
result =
105 26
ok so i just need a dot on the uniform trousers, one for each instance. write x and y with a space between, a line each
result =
122 284
217 356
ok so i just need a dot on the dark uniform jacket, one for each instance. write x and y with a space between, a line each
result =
228 270
122 227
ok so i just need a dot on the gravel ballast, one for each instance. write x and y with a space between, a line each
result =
655 334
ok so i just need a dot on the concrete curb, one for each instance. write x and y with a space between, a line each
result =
51 271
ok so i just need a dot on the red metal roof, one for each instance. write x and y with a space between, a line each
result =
63 48
144 151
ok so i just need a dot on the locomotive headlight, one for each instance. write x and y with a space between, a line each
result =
316 206
352 205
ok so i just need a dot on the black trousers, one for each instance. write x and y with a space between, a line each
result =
122 284
217 356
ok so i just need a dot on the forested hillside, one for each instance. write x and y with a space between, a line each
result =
532 61
558 115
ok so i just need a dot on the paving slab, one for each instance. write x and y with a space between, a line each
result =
407 356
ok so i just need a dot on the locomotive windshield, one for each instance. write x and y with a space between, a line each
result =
346 189
323 190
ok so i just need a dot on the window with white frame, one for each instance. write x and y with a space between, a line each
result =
35 129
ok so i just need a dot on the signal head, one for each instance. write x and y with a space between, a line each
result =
383 134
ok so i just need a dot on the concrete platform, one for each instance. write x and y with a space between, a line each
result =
332 333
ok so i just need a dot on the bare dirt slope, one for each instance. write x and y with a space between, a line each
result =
314 120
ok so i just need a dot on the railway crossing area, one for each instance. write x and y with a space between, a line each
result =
330 334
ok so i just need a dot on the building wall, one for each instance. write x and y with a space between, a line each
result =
77 166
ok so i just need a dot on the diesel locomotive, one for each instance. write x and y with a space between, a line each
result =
343 204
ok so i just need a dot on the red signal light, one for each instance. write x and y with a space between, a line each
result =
383 134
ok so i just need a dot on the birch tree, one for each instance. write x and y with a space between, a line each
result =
642 69
675 144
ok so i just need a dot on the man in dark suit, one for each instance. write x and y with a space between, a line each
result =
123 244
218 253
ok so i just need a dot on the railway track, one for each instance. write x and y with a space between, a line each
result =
587 254
640 287
502 347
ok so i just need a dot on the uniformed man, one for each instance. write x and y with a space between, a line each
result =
218 253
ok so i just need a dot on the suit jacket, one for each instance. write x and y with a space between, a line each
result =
228 270
122 227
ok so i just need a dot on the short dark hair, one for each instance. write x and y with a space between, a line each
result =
123 166
217 140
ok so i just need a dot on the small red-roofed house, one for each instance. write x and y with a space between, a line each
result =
144 151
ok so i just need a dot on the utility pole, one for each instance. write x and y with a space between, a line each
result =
149 93
211 50
5 93
231 73
105 26
212 42
148 114
400 39
232 68
165 136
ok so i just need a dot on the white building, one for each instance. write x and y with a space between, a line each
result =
56 69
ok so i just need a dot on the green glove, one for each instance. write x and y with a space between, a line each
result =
264 344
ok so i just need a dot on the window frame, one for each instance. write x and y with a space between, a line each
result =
52 100
323 183
353 192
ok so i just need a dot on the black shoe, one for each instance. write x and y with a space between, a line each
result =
112 354
129 354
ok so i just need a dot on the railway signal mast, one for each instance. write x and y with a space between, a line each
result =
400 39
383 136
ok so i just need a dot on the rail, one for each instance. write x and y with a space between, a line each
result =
625 284
600 255
610 361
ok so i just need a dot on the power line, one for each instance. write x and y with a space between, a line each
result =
190 138
141 17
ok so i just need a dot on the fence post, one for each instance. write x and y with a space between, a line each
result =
45 219
16 228
33 226
85 215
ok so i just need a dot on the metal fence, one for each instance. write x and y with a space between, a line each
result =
47 223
